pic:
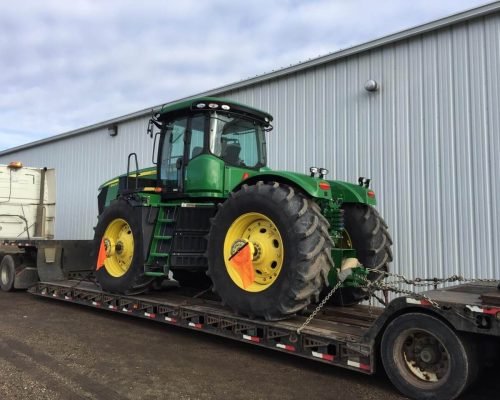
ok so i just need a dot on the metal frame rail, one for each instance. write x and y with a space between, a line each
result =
335 337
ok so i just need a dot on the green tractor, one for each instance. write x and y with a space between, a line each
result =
211 213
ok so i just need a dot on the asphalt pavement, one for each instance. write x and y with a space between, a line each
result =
56 351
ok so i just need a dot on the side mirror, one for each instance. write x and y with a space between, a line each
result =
151 124
150 128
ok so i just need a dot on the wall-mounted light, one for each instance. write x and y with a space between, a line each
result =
371 85
112 130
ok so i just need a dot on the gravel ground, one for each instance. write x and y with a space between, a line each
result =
57 351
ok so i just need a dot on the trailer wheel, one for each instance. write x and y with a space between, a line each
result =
119 235
366 232
288 251
8 268
425 359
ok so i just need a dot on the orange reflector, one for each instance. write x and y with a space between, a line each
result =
324 185
15 164
371 194
245 176
101 257
152 189
242 263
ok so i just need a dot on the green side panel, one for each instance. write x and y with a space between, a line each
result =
308 184
235 177
205 177
351 193
150 199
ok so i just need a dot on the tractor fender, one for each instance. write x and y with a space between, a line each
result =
304 183
351 193
344 191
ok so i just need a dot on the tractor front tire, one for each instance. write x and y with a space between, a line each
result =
119 230
292 250
367 233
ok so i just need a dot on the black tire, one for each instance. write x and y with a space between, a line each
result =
412 338
369 235
133 281
8 268
306 243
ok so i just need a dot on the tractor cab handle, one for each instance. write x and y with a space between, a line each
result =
178 163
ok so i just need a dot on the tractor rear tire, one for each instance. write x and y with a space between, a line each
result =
301 243
368 234
123 270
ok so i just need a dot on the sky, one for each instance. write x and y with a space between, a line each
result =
69 64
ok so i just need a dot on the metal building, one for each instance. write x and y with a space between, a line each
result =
429 137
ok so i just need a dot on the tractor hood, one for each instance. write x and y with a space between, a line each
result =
145 172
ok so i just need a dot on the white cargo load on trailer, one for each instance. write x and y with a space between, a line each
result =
27 202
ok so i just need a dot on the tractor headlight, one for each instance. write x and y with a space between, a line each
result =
323 172
313 171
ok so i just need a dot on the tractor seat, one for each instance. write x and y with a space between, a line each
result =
196 151
232 153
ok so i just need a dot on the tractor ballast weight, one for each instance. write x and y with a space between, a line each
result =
271 242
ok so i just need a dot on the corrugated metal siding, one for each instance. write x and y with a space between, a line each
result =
82 163
429 139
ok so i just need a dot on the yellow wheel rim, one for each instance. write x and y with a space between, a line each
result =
119 246
266 245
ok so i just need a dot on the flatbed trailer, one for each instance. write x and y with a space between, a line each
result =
348 337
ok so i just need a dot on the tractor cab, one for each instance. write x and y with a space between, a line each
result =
200 140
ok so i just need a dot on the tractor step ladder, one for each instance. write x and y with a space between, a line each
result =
158 261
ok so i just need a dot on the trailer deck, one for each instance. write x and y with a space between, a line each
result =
341 336
334 337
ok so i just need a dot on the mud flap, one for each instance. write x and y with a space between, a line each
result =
58 259
25 278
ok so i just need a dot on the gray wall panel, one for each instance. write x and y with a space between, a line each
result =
429 139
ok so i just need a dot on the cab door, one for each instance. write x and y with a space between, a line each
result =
172 159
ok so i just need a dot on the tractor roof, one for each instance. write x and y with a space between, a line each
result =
221 104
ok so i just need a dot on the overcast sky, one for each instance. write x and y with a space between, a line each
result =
69 64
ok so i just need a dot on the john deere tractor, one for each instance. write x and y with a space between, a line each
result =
211 213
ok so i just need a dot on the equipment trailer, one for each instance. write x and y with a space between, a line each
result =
429 349
270 244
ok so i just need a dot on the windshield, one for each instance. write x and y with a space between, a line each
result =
238 141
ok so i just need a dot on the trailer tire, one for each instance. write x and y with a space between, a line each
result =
292 255
367 233
8 268
426 359
123 272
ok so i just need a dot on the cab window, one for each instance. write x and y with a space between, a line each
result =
173 149
197 136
